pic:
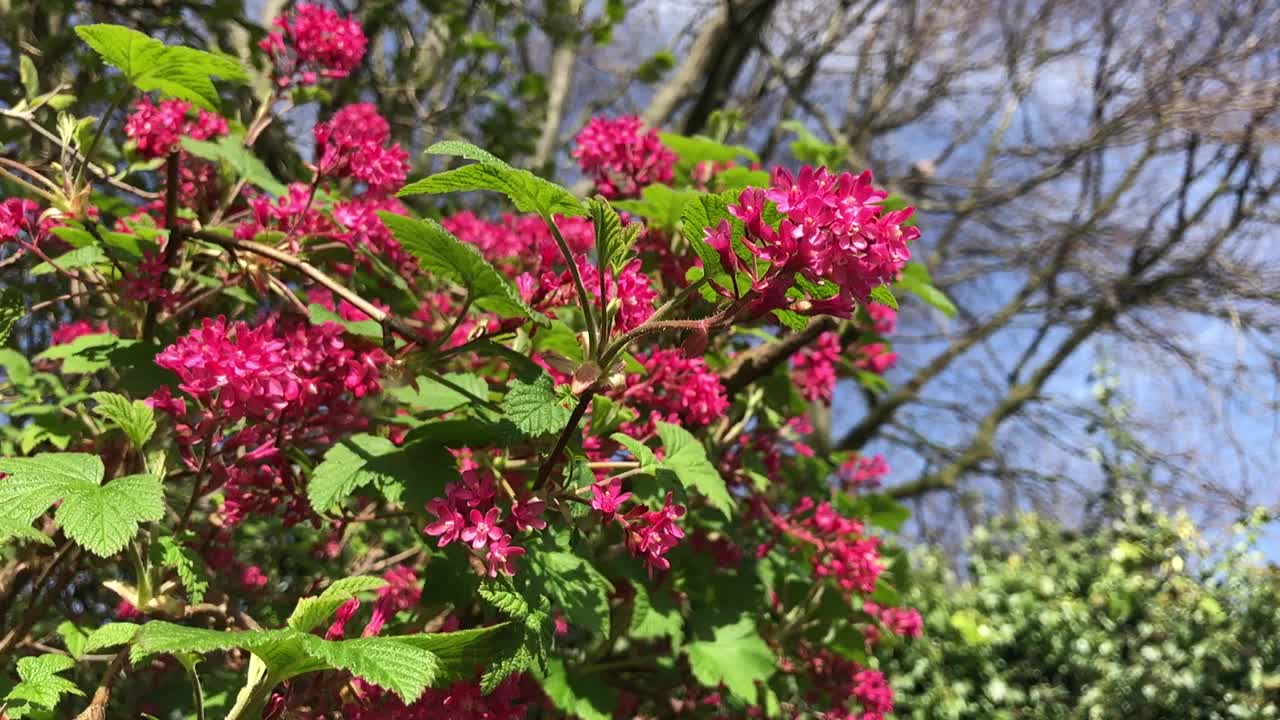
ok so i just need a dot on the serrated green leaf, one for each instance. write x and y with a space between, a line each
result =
12 308
386 662
159 637
246 166
438 251
916 280
110 635
653 618
148 64
312 611
698 149
41 685
367 328
574 585
737 657
535 407
639 450
103 518
528 192
72 260
410 472
579 695
611 247
136 419
12 529
659 204
189 566
35 483
686 457
433 396
460 653
883 295
505 601
73 637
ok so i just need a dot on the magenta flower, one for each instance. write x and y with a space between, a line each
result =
527 514
156 128
353 144
622 156
607 499
448 527
483 528
501 555
313 42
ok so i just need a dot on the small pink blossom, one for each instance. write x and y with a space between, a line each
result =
622 156
502 555
608 498
483 528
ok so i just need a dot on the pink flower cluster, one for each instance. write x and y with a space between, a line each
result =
840 548
675 388
862 471
814 369
469 513
622 156
295 385
18 217
511 700
835 681
522 242
401 592
68 332
157 129
652 533
353 144
899 621
314 42
631 288
832 229
875 358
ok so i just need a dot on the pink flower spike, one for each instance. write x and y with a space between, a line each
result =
607 499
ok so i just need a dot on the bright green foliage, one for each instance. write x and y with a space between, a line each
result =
100 517
433 396
661 205
190 568
313 611
699 149
136 419
41 685
884 296
613 241
438 251
736 656
179 72
110 635
12 307
916 280
230 149
1136 618
363 460
686 457
655 616
528 192
535 407
584 696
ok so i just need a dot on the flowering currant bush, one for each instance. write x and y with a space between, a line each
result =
381 442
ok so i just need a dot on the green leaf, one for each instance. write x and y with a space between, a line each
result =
420 469
915 279
883 295
386 662
460 653
736 658
246 166
11 529
579 695
103 518
648 461
655 617
575 586
35 483
367 328
136 419
73 636
29 76
534 407
612 243
157 637
312 611
433 396
12 308
149 64
41 685
659 204
110 635
438 251
187 563
72 260
698 149
505 601
686 457
528 192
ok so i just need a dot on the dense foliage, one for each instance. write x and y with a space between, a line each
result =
504 452
1138 619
